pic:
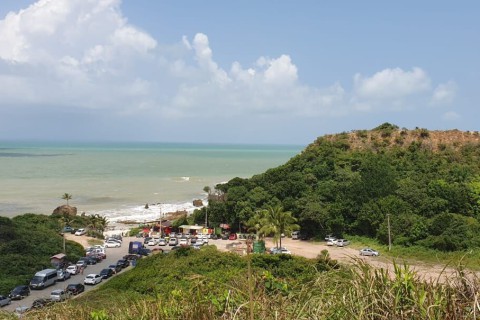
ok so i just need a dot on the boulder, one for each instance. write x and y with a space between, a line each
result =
65 210
197 203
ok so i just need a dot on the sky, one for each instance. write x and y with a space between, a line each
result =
243 72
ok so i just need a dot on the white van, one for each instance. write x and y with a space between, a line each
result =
295 235
43 279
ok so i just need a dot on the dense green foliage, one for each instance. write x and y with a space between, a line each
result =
428 182
26 244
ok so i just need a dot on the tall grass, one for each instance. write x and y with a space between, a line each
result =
357 292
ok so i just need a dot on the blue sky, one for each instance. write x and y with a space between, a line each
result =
282 72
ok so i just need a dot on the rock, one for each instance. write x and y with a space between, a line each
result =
198 203
65 210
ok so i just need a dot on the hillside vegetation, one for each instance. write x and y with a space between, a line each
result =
207 284
426 182
26 244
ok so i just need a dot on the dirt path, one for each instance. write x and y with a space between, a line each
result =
349 255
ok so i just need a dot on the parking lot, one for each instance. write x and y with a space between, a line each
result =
113 255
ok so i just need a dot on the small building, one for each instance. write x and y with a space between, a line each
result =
58 260
191 229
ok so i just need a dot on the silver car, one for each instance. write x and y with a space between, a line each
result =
4 300
59 295
369 252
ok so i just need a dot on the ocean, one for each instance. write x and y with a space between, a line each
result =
116 180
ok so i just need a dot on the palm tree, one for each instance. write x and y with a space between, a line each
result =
278 222
67 196
102 222
255 223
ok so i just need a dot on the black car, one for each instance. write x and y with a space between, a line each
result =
75 288
90 260
123 263
106 273
115 268
19 292
132 256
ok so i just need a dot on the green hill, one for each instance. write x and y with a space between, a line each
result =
428 182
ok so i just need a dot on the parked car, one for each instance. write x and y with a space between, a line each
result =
89 260
115 268
80 232
68 229
19 292
123 263
75 288
342 243
4 300
331 242
369 252
106 273
183 241
152 242
162 242
232 236
330 237
112 244
282 251
59 295
81 264
173 241
213 237
63 275
92 279
295 235
73 269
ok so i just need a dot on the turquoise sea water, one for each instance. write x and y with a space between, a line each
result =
117 179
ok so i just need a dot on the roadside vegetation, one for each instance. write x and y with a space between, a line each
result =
28 241
208 284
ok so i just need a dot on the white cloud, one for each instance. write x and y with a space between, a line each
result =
444 93
392 84
85 54
391 89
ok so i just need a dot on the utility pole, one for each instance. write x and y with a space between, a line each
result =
389 233
206 216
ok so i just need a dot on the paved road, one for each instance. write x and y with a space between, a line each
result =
113 255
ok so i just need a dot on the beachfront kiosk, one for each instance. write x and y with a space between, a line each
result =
191 229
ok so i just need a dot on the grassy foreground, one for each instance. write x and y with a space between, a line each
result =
207 284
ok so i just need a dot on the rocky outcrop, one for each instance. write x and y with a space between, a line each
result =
65 210
198 203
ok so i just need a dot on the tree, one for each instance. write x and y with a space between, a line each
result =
278 222
67 196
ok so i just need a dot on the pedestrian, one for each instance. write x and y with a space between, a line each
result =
81 270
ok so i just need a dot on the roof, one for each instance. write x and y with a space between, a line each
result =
59 256
191 227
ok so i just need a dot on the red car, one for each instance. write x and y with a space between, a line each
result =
232 236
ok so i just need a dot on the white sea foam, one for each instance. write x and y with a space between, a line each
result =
142 214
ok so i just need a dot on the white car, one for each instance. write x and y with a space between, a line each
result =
152 242
73 269
59 295
112 244
80 232
369 252
92 279
282 251
183 241
162 242
332 242
342 243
